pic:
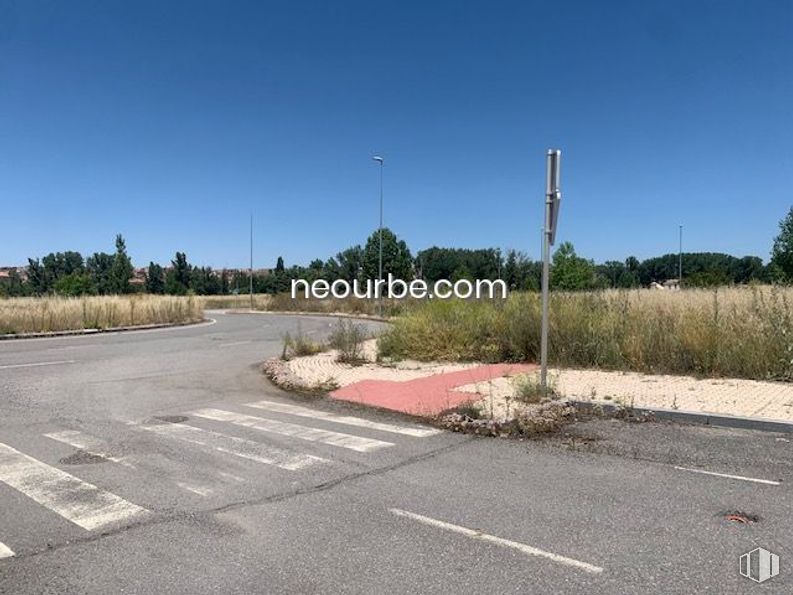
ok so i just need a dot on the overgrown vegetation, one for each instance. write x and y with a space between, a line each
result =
543 419
529 390
736 332
35 315
299 344
347 338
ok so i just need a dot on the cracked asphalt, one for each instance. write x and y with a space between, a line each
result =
164 462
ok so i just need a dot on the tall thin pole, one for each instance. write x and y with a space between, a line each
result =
546 267
680 260
548 234
250 275
380 257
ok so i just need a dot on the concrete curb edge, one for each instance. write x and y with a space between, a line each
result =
98 331
691 417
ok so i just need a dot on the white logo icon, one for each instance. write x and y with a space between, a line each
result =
759 565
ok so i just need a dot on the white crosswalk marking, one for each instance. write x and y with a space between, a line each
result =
77 501
95 446
356 443
87 443
416 431
246 449
5 551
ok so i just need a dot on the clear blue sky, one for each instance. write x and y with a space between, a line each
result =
169 122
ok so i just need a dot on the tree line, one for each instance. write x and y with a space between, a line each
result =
68 273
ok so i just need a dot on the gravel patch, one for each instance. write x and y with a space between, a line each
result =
323 369
730 396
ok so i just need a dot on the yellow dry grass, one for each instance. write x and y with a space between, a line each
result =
742 332
48 314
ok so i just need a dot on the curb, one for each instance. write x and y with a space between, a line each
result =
691 417
97 331
307 313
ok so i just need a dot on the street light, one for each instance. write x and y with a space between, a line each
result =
380 160
680 260
251 269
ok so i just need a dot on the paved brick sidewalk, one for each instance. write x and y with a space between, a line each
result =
428 395
426 388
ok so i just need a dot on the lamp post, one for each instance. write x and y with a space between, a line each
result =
251 268
680 260
380 160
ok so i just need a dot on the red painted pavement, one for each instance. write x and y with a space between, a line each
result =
425 396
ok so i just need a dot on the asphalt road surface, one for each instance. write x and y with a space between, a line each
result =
164 462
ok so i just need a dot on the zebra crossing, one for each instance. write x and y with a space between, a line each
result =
268 439
77 501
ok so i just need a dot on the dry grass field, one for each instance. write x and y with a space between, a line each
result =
35 315
744 332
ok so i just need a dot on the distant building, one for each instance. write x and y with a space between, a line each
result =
668 285
7 272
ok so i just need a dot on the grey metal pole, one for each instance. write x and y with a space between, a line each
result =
250 275
549 233
380 260
680 260
546 250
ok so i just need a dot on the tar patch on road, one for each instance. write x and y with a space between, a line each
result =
170 419
82 457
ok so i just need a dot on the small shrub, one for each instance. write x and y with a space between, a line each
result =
529 390
469 410
300 345
348 339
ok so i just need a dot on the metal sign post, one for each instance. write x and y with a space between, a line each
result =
553 197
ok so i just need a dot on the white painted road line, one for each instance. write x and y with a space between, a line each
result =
416 431
240 447
37 364
77 501
235 343
95 446
728 476
523 548
89 444
5 551
198 490
356 443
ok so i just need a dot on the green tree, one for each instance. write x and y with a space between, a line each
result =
37 277
155 280
204 281
99 267
571 272
346 265
60 264
782 251
177 281
75 284
121 270
279 265
396 256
